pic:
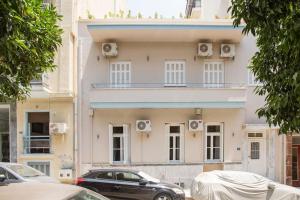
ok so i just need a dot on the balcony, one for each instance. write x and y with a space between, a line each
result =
36 144
158 95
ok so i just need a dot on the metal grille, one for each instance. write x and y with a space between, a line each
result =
254 150
41 166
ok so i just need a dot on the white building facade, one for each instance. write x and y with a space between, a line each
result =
158 77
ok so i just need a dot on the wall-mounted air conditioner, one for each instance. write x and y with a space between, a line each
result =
205 49
109 49
143 125
195 125
227 50
58 128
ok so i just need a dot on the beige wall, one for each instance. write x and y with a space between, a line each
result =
154 149
61 145
93 131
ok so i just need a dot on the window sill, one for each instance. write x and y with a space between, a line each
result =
38 155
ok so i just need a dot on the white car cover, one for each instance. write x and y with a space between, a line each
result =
237 185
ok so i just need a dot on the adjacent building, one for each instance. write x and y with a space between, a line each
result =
172 97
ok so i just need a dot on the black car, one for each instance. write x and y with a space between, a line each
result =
129 184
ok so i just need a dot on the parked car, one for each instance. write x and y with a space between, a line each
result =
18 173
129 184
232 185
46 191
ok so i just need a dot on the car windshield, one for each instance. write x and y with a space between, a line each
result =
148 177
87 195
25 171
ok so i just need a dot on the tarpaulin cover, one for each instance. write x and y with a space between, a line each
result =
237 185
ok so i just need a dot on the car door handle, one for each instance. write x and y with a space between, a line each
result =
117 187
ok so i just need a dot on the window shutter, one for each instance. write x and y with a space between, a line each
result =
222 141
120 74
167 138
110 143
126 143
182 153
175 73
213 75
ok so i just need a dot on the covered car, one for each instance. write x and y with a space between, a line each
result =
232 185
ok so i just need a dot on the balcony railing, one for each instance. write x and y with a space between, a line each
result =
168 85
36 144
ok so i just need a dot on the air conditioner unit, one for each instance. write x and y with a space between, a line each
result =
205 49
227 50
143 125
65 174
195 125
109 49
58 128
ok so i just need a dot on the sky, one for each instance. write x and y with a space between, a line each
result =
166 8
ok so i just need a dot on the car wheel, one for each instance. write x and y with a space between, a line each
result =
163 196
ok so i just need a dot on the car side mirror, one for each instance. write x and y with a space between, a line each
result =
143 182
2 178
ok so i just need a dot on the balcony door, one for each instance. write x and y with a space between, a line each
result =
4 134
37 138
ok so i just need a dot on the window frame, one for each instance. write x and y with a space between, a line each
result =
175 73
181 142
126 144
211 134
207 72
121 72
251 80
39 163
27 130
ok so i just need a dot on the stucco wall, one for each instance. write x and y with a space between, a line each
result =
154 149
61 145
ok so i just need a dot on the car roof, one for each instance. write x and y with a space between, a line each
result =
38 191
114 170
8 164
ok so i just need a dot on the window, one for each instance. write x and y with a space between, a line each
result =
120 74
37 138
104 175
254 150
118 143
213 74
197 3
127 176
214 147
174 143
43 167
4 134
251 79
174 73
251 135
8 175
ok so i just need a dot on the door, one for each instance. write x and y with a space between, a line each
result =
295 165
257 156
4 135
128 186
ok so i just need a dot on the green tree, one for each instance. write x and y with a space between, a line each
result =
276 64
29 38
